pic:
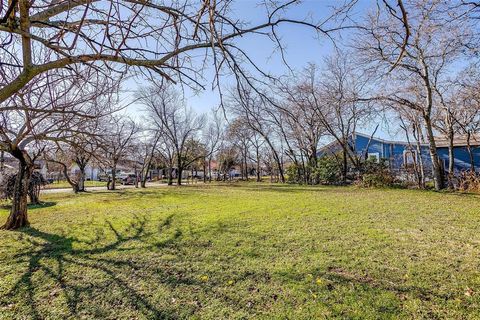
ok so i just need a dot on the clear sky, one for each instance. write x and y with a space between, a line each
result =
302 46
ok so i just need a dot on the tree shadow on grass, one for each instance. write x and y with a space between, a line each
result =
51 254
40 205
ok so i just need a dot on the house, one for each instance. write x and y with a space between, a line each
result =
402 155
91 171
463 159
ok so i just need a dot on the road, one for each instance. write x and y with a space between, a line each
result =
118 187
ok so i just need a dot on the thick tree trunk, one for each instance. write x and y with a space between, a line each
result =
114 177
179 176
81 179
436 166
210 169
204 171
34 194
18 213
170 176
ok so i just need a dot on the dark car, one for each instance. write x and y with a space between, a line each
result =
129 179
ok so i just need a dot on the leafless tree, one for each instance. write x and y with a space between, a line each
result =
212 136
435 42
118 35
117 144
79 151
52 109
176 123
468 107
257 110
239 135
147 147
332 96
411 124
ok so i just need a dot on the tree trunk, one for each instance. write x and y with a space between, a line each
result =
258 167
18 213
179 176
470 153
421 180
204 171
114 177
81 179
136 178
344 164
436 166
451 160
170 176
143 183
210 169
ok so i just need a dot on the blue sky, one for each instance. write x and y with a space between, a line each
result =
302 46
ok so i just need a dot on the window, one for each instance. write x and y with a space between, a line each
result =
374 156
409 158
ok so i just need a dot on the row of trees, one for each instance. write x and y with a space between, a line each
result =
63 63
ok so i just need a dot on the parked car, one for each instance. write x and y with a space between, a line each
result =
129 179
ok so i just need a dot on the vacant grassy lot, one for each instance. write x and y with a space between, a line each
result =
244 251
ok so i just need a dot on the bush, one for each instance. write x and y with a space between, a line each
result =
294 174
36 182
375 174
469 181
329 170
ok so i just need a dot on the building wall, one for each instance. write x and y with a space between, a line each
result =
392 151
462 158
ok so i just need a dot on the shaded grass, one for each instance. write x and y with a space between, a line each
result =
242 251
66 185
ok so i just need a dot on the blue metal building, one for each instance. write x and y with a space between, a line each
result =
401 155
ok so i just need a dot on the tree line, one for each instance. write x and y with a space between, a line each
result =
64 62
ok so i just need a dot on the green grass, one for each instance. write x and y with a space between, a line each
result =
245 251
65 184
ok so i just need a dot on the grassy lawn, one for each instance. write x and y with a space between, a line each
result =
65 184
243 251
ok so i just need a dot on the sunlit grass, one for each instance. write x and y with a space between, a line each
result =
248 250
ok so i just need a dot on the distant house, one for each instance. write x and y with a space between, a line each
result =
91 171
401 155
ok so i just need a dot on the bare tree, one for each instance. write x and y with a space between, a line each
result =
468 107
332 98
258 112
213 136
239 135
435 42
79 151
411 124
117 144
52 109
147 149
112 35
174 121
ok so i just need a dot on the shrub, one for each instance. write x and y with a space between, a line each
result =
36 182
294 174
469 181
329 170
375 174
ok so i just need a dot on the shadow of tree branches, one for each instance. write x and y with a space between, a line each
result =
50 255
